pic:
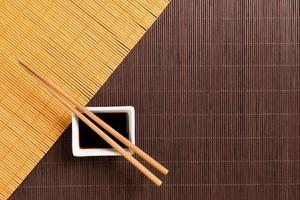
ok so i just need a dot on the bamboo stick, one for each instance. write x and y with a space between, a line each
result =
116 146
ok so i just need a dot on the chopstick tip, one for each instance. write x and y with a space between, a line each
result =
21 61
163 170
166 172
24 64
159 184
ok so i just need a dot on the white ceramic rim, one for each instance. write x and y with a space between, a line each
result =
79 152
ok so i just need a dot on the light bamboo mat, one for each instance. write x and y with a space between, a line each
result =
77 44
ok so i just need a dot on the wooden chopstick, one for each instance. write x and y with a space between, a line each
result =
60 95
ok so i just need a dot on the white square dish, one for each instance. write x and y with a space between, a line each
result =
84 152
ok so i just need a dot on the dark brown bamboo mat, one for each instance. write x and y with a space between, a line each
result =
216 87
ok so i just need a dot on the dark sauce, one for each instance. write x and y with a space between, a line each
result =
89 139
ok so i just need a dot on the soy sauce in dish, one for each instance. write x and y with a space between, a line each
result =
89 139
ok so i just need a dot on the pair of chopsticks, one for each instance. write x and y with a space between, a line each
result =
78 109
